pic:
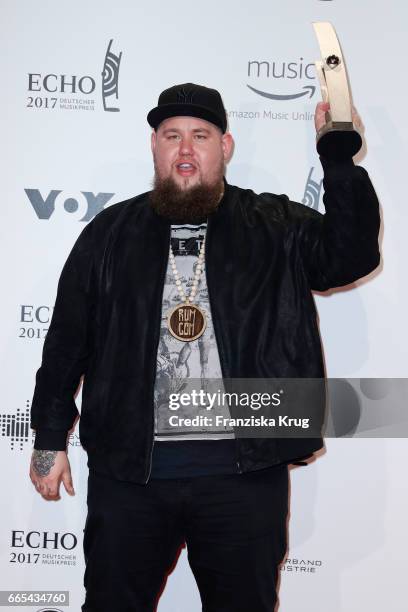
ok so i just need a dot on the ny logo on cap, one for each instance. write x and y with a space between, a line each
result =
185 96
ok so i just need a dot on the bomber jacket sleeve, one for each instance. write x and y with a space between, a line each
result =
342 245
66 350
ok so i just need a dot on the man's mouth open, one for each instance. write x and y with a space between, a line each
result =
186 169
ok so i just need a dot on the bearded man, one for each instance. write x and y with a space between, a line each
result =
196 279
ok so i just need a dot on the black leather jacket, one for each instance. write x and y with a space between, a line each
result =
264 254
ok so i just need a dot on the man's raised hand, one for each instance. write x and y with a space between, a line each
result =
320 116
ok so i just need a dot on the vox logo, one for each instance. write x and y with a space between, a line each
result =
44 205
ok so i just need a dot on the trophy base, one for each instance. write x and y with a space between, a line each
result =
338 141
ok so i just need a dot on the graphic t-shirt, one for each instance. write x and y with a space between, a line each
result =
179 361
187 451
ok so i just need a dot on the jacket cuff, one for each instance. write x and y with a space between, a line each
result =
333 167
48 439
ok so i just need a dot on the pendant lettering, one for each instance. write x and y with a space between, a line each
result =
186 322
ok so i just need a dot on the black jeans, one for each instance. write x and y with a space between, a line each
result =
234 527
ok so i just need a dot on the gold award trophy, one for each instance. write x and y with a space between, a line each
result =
338 139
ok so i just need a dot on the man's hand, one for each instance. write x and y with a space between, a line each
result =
320 116
48 468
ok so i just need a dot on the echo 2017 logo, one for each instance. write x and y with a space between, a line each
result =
45 540
313 189
78 91
110 77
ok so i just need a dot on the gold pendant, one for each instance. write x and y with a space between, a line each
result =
186 322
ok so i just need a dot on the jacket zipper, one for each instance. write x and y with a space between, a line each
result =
163 277
221 357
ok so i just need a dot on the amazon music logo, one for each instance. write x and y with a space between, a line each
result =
281 80
77 92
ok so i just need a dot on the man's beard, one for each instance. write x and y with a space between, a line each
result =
190 205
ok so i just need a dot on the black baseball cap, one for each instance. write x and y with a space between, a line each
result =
189 100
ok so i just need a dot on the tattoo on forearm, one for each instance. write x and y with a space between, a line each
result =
43 460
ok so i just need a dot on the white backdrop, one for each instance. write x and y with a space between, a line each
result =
348 538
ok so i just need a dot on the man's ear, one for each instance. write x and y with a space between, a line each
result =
227 146
153 141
